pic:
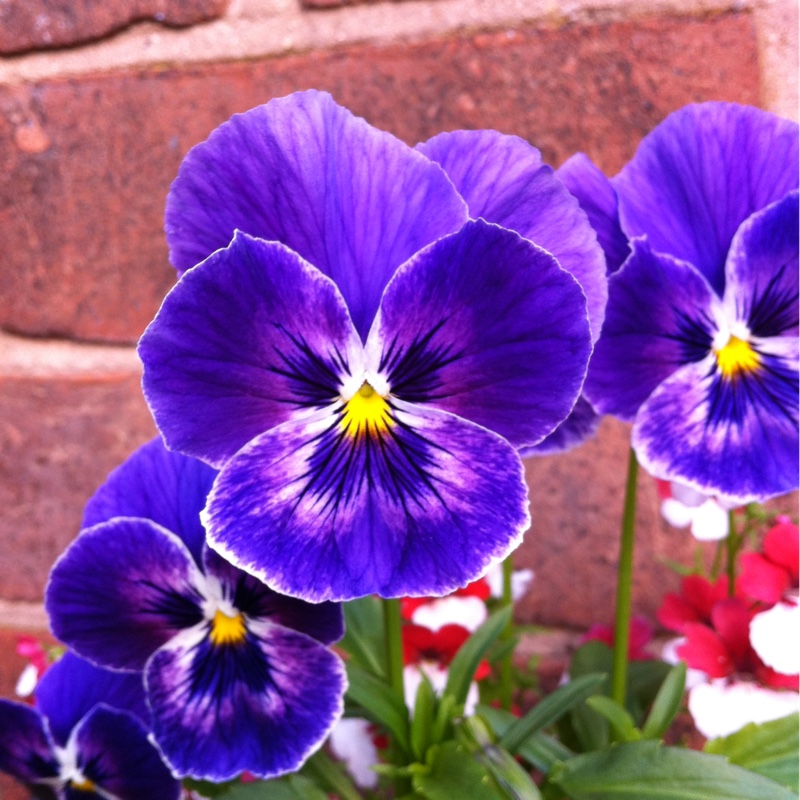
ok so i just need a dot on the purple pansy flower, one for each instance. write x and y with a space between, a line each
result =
85 738
237 676
699 347
361 360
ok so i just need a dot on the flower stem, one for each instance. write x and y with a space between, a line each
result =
732 550
622 625
506 665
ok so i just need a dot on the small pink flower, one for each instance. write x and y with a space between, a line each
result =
641 633
769 575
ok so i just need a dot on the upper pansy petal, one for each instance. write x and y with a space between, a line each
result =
246 340
700 174
26 752
660 315
114 754
168 488
72 687
580 425
352 200
321 621
761 288
736 437
486 325
504 181
121 590
597 198
262 704
419 507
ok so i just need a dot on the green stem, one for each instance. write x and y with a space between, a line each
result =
622 625
393 631
732 550
506 665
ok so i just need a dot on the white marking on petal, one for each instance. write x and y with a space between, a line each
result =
775 636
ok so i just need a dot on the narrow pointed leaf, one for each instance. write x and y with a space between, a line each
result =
462 669
378 703
667 703
295 787
620 720
769 749
550 709
648 771
455 773
330 775
422 724
363 638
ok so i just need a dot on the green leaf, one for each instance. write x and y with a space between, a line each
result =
540 750
208 789
507 774
667 703
295 787
455 774
550 709
330 775
769 749
363 638
462 668
620 720
422 723
647 770
379 703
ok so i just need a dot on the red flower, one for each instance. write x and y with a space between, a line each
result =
641 632
767 576
440 647
694 604
478 588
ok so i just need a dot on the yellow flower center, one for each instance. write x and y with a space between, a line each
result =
82 785
737 356
366 412
227 630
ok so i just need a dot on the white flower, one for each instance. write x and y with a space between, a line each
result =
707 516
520 581
775 636
468 612
720 708
351 742
27 681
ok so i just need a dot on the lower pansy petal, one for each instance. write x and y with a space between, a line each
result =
660 315
26 752
321 621
580 425
115 759
72 687
263 703
121 590
420 506
761 286
485 325
732 436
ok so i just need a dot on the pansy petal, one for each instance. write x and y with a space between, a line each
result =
421 508
113 752
167 488
121 590
321 621
504 181
700 174
761 287
263 704
660 315
352 200
26 752
72 687
597 198
580 425
249 338
737 437
485 325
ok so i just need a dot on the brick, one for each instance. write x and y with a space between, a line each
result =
40 24
68 415
88 161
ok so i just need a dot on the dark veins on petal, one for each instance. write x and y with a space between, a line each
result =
314 379
693 337
413 369
771 389
394 460
181 611
774 310
217 668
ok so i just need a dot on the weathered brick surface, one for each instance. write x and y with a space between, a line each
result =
37 24
68 415
87 162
